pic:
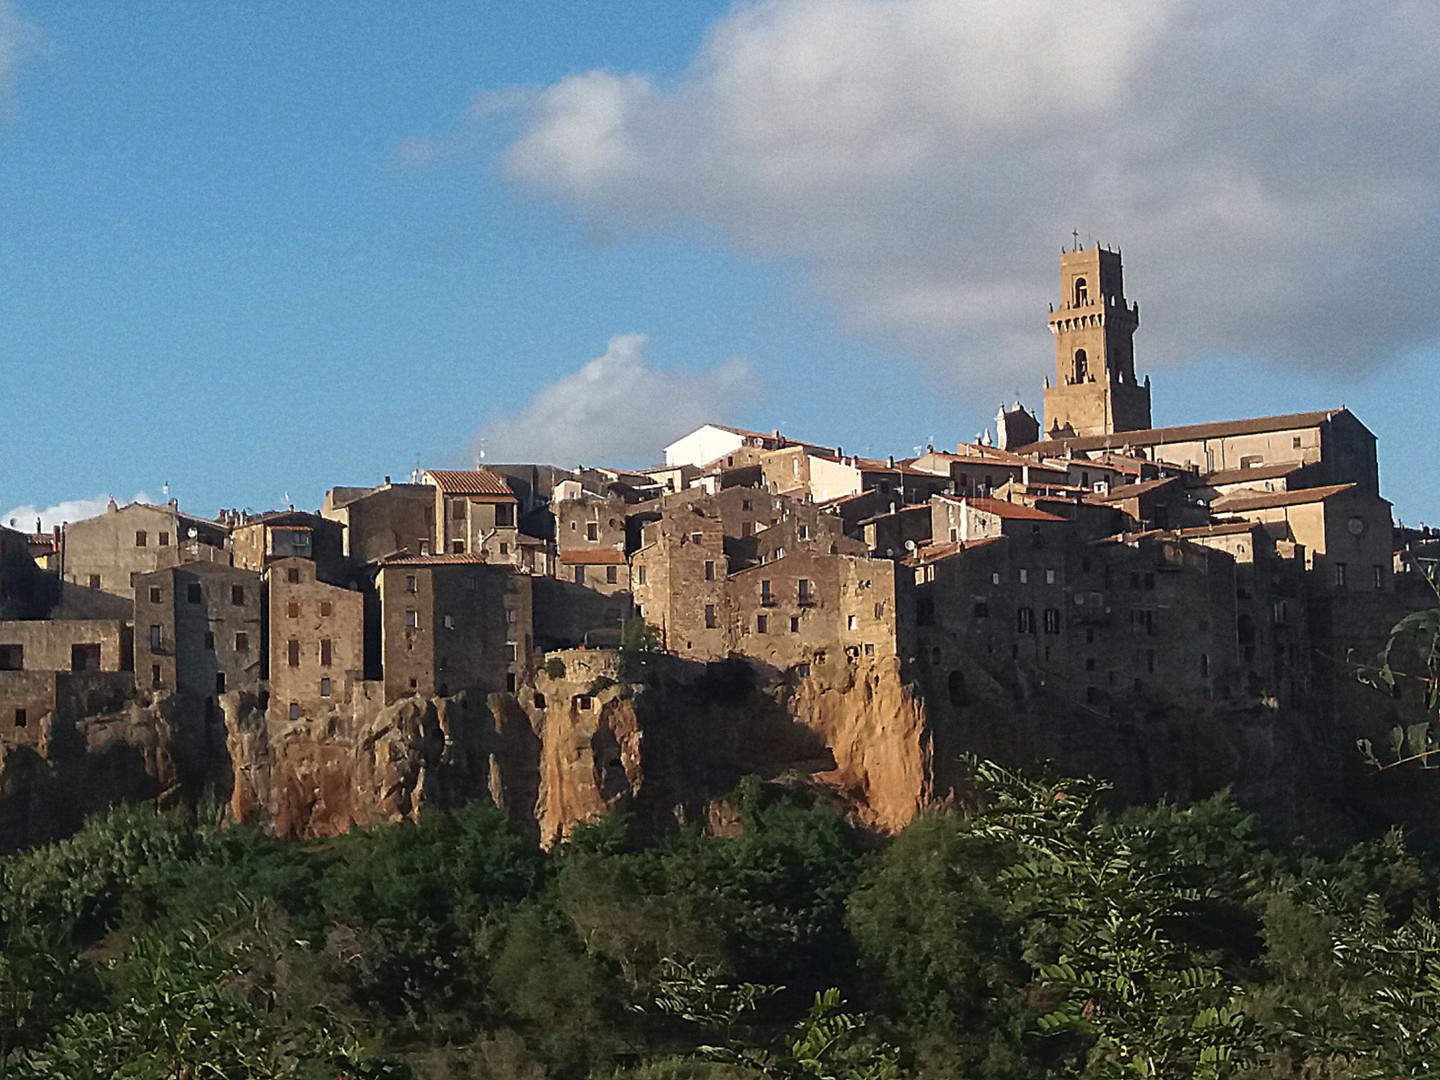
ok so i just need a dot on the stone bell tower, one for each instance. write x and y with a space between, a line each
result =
1095 391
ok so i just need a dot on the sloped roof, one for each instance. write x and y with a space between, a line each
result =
1121 492
1185 432
453 559
1002 509
596 557
1239 501
929 553
470 482
1255 472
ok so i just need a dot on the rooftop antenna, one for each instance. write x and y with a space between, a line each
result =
481 460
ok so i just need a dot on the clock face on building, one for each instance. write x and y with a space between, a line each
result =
1357 526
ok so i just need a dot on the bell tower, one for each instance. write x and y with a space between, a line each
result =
1095 391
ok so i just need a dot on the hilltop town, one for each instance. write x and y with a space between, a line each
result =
1082 586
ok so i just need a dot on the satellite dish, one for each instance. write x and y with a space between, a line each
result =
909 545
192 533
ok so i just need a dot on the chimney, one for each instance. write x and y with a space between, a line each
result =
890 462
387 481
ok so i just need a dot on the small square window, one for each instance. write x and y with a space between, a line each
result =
457 547
612 575
869 650
164 539
155 594
592 531
21 718
292 574
510 651
94 581
762 624
237 595
292 609
326 607
412 619
449 622
140 538
192 593
410 585
695 538
242 641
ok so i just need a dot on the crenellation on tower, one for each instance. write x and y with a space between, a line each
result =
1096 391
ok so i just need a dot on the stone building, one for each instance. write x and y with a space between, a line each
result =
380 522
711 443
958 519
258 541
452 623
199 630
316 642
591 542
476 513
110 550
1095 391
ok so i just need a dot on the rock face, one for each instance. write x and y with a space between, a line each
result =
665 740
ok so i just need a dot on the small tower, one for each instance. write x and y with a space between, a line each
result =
1016 427
1095 391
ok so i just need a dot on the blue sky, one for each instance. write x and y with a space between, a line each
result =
253 251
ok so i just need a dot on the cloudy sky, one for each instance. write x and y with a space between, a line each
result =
253 251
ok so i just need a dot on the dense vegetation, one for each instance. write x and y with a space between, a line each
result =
1039 937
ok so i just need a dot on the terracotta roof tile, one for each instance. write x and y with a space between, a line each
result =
1002 509
436 560
470 482
597 557
1238 501
1185 432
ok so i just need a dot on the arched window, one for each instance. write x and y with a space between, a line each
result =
1082 292
1082 366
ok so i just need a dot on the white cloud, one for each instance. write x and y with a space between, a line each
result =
23 517
1272 171
616 410
17 36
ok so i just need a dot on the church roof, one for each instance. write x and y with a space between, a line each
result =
1258 425
1238 501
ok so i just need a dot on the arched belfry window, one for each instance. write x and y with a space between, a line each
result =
1082 366
1082 292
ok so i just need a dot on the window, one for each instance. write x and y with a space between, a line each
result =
981 610
1204 665
219 682
294 710
450 621
12 657
155 594
21 719
695 538
242 641
802 590
326 607
612 575
579 575
155 675
1378 576
140 538
794 624
326 652
880 610
709 570
1052 620
995 578
164 539
209 641
1089 663
292 574
457 509
510 616
412 619
709 616
510 682
762 624
1340 575
640 573
424 547
457 547
744 504
804 534
766 597
1082 292
410 585
582 701
510 652
292 609
1082 366
1025 620
1049 577
504 548
1295 442
85 657
850 622
802 669
237 595
504 514
155 639
94 581
1024 576
325 687
592 530
292 651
